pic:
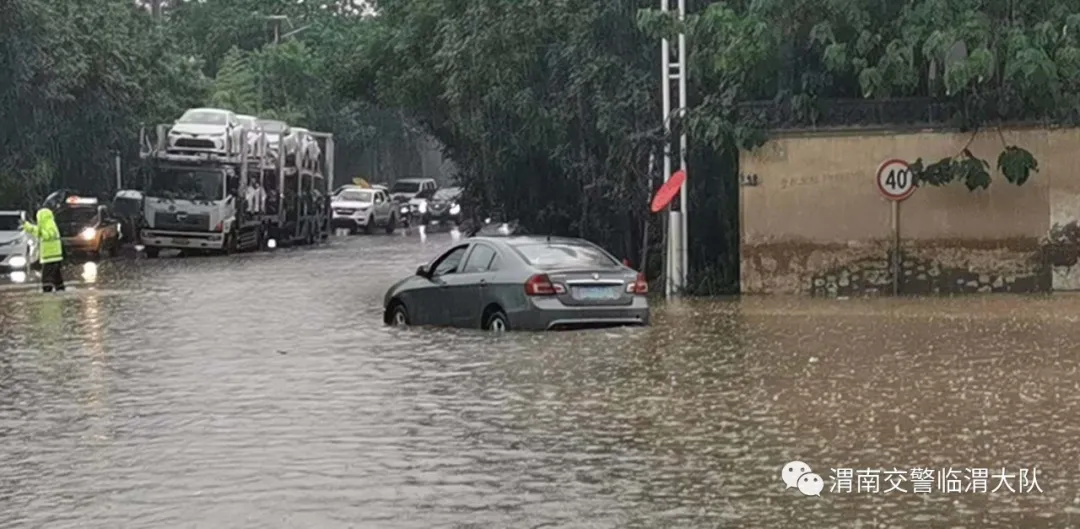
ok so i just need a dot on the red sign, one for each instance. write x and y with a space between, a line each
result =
895 180
668 191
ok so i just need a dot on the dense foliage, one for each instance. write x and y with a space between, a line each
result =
79 79
550 109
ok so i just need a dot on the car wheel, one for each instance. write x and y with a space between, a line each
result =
497 322
391 225
399 316
370 226
152 252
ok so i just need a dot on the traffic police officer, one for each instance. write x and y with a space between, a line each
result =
51 250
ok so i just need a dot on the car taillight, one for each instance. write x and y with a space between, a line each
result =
541 285
640 286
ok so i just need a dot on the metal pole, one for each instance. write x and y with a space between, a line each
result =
665 68
684 258
119 174
896 246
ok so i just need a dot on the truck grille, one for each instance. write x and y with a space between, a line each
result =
195 143
181 222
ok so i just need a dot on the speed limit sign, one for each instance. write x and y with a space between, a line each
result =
895 180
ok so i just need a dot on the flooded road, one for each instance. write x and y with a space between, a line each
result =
263 391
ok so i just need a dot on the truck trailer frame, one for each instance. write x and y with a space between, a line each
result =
296 209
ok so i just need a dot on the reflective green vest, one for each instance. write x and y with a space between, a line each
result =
50 247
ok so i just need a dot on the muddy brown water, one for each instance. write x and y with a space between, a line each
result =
263 391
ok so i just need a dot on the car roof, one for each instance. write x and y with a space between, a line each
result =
218 110
518 240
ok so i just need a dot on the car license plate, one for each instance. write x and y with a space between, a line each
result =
596 293
182 242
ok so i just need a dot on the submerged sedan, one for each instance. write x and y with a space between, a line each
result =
520 283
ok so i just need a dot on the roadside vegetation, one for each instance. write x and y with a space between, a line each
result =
550 110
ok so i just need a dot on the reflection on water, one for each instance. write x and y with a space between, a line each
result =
263 391
89 272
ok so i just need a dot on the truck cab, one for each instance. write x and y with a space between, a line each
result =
189 207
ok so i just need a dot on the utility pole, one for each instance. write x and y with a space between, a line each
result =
119 172
676 258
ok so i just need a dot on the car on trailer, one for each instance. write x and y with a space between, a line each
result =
206 130
201 202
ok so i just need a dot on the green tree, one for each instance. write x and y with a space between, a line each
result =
236 85
549 113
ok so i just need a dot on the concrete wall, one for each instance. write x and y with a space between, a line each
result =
815 223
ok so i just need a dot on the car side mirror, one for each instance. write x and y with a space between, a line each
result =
422 271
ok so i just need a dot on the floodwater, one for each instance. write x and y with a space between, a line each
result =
263 391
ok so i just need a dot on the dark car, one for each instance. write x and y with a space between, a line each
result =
444 207
520 282
87 227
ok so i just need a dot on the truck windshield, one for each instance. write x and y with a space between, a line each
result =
9 222
188 184
405 187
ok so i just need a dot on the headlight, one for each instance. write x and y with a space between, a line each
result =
405 208
88 234
17 262
455 209
422 207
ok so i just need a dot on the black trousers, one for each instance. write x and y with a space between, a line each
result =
52 277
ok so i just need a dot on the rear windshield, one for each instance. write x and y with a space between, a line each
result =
10 222
553 255
405 187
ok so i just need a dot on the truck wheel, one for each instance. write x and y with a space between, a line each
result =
230 243
391 225
152 252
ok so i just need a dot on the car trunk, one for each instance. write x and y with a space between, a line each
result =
593 286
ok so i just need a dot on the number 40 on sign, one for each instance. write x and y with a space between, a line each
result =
895 180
